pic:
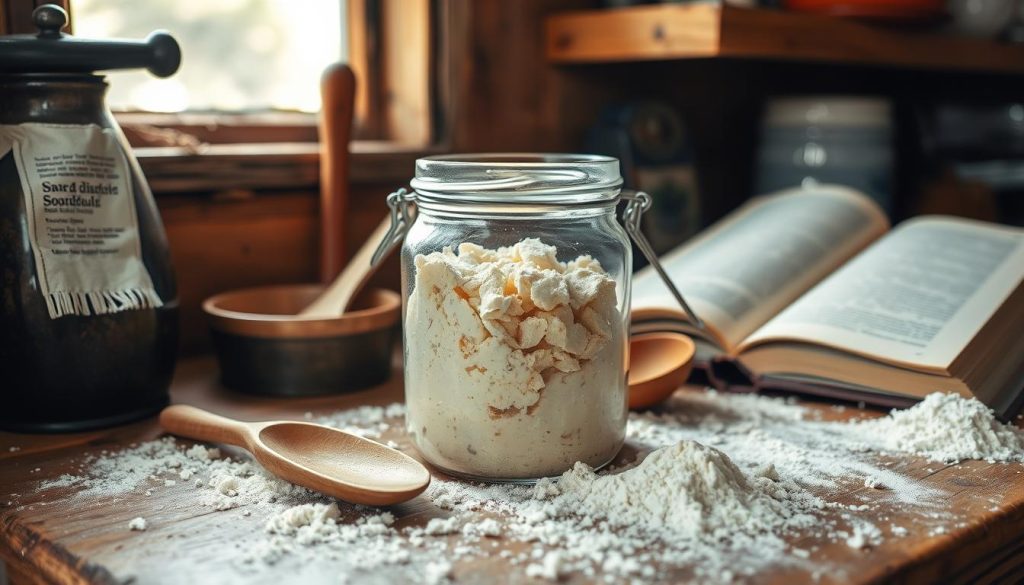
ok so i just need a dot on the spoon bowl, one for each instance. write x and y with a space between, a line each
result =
323 459
659 363
342 456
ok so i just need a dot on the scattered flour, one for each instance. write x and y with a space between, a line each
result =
945 428
874 483
550 568
138 523
440 526
865 534
712 487
148 466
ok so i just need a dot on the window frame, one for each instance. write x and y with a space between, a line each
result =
395 112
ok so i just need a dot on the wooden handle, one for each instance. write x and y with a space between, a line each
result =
335 300
198 424
337 93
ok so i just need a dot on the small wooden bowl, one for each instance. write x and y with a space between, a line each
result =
659 363
264 348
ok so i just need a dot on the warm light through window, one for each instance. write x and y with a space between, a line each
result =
237 55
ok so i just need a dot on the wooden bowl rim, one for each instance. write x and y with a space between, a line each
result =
383 314
684 341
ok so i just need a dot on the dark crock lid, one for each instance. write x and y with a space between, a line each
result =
51 51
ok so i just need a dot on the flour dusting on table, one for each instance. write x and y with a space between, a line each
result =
712 487
944 428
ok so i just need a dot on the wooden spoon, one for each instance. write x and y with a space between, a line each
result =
335 300
659 364
332 462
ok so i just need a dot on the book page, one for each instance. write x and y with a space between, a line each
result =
747 267
915 298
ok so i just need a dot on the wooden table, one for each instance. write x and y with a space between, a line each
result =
46 537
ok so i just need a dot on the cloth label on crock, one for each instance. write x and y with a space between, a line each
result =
82 222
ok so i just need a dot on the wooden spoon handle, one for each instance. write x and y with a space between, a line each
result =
195 423
339 295
337 91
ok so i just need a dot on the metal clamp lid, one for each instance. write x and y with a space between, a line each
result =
52 51
401 219
637 202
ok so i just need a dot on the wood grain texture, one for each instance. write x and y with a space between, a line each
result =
239 239
406 71
502 95
48 538
687 31
337 92
235 241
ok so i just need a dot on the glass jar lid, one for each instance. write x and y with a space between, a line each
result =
522 180
511 178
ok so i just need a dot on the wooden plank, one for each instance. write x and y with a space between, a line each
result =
501 95
231 166
175 169
364 48
405 71
807 37
47 538
664 32
223 243
240 238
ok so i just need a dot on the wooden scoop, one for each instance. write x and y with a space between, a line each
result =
332 462
659 364
336 299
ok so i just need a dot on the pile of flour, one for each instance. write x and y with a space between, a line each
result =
686 490
717 487
945 428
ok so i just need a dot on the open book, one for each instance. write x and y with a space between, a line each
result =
809 291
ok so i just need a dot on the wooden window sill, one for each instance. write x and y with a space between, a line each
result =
279 165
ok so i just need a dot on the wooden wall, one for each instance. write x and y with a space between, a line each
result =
223 242
498 95
494 91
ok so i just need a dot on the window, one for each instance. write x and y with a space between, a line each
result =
237 55
245 95
251 69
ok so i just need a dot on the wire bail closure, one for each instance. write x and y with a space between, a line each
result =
637 202
401 219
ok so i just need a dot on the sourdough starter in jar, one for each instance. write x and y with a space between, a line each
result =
519 361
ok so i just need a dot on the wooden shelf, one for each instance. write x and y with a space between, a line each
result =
694 31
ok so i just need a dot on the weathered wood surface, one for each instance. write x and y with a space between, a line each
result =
48 537
711 30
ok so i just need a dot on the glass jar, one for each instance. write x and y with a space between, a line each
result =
516 280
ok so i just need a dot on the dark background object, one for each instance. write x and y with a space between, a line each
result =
76 373
653 146
51 51
843 140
